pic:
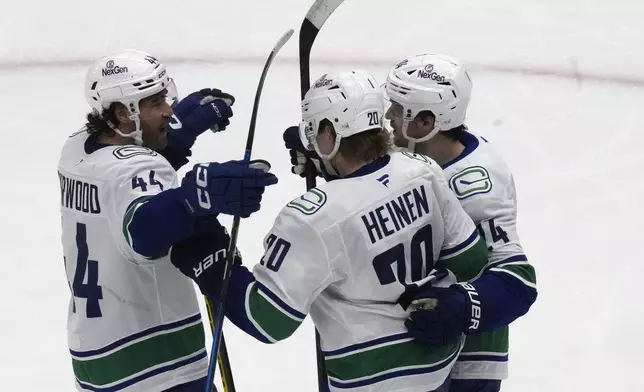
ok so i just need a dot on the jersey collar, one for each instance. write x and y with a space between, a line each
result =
92 144
371 167
470 142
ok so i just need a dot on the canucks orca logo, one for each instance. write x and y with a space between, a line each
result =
470 181
310 202
126 152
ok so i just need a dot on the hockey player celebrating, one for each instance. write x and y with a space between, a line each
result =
345 252
429 96
134 322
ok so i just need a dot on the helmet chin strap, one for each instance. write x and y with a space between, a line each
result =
411 142
137 135
326 158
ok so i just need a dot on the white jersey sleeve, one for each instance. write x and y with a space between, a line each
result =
295 269
142 174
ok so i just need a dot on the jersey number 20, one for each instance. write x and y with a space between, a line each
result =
420 263
85 267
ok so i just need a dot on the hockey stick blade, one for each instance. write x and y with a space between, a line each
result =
283 40
313 22
321 10
221 308
253 118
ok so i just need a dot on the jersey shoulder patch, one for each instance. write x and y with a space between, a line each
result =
127 152
310 202
473 180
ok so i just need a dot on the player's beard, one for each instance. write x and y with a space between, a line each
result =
155 137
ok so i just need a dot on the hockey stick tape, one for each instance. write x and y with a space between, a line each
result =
210 98
260 164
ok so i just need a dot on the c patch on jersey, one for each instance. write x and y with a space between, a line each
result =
470 181
127 152
310 202
416 156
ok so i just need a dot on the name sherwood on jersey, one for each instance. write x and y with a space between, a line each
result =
79 195
83 196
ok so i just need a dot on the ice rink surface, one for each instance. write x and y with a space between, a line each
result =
558 88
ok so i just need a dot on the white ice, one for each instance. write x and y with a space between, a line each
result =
559 88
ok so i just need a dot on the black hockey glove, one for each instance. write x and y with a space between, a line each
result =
304 160
442 313
202 257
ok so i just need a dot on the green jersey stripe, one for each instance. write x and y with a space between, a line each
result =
269 318
388 358
136 337
525 273
129 214
526 270
496 341
468 264
152 351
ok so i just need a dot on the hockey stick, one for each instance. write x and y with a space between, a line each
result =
313 22
222 354
219 320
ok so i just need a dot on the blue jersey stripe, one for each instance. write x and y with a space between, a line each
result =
127 339
511 259
472 238
279 301
482 357
370 343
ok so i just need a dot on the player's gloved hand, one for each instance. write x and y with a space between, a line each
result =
202 257
304 160
208 108
230 188
442 314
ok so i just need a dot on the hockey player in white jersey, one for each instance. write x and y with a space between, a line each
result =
346 251
429 96
134 322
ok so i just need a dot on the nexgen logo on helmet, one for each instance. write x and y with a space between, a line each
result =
322 82
111 69
428 73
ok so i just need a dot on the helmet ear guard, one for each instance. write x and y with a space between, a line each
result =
126 77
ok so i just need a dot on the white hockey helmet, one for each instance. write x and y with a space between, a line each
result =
126 77
351 101
433 82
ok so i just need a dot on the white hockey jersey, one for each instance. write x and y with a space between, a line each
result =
345 251
483 184
134 323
